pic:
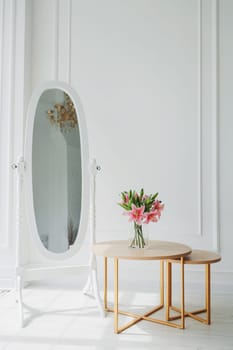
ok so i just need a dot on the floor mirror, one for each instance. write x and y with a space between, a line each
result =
55 192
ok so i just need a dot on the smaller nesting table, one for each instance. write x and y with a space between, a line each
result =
197 257
157 250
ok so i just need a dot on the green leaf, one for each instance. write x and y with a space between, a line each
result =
130 203
155 195
126 206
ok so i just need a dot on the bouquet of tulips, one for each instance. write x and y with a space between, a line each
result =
141 209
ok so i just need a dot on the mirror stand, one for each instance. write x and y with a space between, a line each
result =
27 273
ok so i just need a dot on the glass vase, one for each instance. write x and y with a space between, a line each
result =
139 236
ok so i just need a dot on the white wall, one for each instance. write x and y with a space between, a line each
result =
155 81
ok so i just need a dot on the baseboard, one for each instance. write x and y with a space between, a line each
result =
222 281
147 281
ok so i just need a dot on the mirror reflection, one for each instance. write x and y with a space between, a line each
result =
56 170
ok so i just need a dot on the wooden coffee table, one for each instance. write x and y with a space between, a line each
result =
157 250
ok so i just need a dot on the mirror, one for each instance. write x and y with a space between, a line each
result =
57 182
56 170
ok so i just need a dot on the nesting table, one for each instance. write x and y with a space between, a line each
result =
157 250
197 257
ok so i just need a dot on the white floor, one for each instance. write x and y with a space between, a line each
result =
65 319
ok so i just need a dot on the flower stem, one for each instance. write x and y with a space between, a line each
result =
138 240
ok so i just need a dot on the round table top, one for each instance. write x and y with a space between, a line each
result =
157 250
200 257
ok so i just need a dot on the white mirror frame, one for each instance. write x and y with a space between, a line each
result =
85 203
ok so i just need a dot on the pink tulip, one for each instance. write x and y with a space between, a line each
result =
136 214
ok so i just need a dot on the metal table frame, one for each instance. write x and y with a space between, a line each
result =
147 315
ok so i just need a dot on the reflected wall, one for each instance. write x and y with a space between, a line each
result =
56 173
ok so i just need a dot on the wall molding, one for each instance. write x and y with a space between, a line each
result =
2 7
213 8
200 70
209 31
207 115
12 109
215 112
56 13
7 103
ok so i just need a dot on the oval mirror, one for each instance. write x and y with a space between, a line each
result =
58 192
56 171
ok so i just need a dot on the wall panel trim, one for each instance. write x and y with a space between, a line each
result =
215 113
7 103
200 70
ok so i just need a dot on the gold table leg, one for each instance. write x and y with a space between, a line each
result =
168 290
169 305
182 294
115 295
105 283
207 293
162 282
